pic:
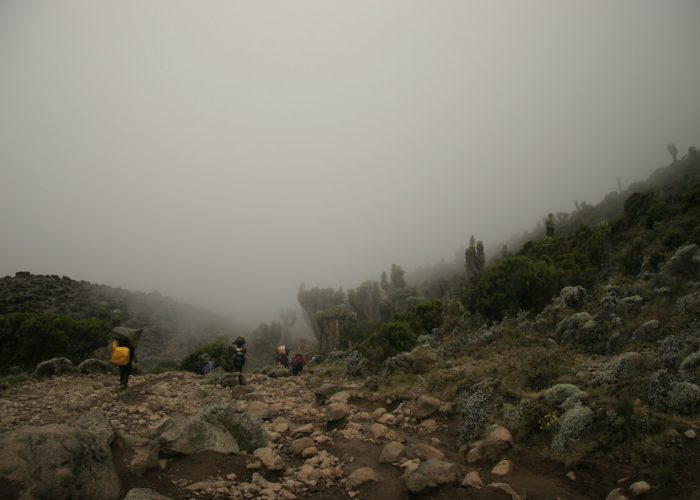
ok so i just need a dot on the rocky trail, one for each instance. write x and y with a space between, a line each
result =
179 435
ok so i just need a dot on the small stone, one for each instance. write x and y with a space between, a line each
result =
378 430
361 476
425 452
690 434
571 475
392 452
309 452
616 494
473 480
502 468
378 413
639 488
507 489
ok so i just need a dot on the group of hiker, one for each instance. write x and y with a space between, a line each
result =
295 364
125 340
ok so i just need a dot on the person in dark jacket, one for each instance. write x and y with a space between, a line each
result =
125 370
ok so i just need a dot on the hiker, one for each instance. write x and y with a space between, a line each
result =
124 345
204 364
283 356
549 225
298 363
125 369
239 352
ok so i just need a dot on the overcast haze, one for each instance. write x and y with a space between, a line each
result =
224 152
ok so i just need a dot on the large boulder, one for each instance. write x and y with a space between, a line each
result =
392 452
337 411
431 474
54 367
145 458
216 428
93 365
59 462
325 391
426 406
188 435
144 494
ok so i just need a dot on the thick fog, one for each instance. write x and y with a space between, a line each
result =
223 152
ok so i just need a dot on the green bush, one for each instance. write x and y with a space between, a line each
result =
422 317
512 284
392 338
29 338
217 352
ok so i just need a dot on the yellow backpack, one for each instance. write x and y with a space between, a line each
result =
120 355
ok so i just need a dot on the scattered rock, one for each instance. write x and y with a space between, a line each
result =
426 452
639 488
340 397
690 434
473 480
145 458
299 445
430 474
571 475
303 429
270 459
616 494
392 452
325 391
502 468
260 410
507 489
426 406
378 430
361 476
144 494
337 411
239 391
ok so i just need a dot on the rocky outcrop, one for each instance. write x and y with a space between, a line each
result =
93 365
59 462
54 367
430 474
426 406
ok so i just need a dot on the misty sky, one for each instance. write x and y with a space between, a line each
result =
223 152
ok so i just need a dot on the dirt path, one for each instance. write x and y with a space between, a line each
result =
341 447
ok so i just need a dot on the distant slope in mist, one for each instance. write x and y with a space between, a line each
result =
171 328
666 181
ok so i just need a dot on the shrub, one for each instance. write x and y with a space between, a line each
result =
423 317
218 352
612 371
690 365
684 398
29 338
564 396
355 364
474 407
512 284
571 425
392 338
659 387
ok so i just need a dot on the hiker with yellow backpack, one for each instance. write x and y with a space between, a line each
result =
124 343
